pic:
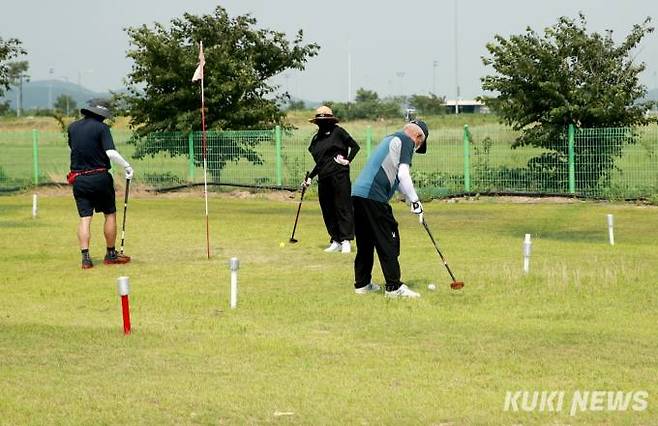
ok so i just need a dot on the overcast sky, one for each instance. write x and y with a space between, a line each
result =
396 47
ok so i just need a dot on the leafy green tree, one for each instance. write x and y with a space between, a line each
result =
9 49
16 75
366 106
431 104
240 60
4 108
568 76
297 105
65 104
365 96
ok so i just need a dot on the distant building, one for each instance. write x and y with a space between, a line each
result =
466 106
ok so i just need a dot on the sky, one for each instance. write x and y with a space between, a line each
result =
391 47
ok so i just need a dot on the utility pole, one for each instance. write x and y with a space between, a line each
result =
349 72
67 98
434 65
19 95
400 75
456 60
50 89
655 87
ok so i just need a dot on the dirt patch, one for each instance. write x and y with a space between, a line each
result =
267 195
140 191
507 199
524 199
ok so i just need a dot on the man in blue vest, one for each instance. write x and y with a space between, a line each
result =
386 171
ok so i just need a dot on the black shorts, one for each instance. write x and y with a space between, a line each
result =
94 192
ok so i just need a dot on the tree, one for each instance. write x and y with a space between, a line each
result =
365 96
431 104
4 108
8 50
65 104
17 74
568 76
296 105
240 60
366 106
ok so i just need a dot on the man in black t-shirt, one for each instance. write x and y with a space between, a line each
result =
92 148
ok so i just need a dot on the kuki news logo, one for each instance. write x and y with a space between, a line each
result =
578 401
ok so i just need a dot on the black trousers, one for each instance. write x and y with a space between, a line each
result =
334 195
376 229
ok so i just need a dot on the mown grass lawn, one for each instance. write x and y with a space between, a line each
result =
301 348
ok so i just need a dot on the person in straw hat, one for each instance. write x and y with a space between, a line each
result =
333 149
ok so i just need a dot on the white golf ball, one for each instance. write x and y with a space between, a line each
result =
431 286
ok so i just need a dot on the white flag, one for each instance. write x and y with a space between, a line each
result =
198 73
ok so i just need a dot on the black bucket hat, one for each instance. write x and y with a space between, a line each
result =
99 110
422 149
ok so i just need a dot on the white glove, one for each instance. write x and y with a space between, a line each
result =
341 160
129 172
417 208
305 183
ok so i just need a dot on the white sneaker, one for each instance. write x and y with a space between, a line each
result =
403 291
345 247
370 288
333 247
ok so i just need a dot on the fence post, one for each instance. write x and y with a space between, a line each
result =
277 149
190 147
572 159
35 155
467 168
368 141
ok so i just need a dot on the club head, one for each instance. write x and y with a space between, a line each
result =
293 241
456 285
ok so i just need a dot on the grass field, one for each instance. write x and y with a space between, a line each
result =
301 348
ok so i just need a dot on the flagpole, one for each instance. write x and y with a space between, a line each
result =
205 150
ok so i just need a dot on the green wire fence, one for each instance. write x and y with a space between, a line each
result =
612 163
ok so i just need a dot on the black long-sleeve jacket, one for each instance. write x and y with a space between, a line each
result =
326 144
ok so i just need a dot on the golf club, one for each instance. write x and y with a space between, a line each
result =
455 285
299 207
125 209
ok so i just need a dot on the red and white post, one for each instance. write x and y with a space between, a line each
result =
124 288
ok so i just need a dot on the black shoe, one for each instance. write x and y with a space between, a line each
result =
87 264
116 259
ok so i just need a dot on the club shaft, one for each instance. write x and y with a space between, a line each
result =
299 208
125 209
436 246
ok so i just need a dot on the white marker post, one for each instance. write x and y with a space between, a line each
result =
611 232
34 206
124 288
527 249
234 264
